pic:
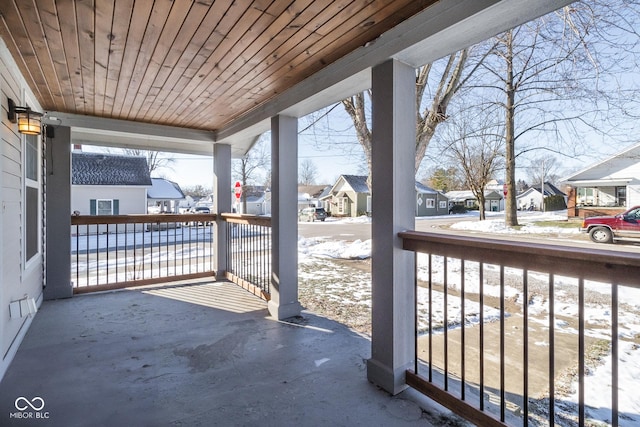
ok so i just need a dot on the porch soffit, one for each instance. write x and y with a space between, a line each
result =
204 72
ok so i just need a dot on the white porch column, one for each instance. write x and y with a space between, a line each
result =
221 202
284 218
58 215
393 210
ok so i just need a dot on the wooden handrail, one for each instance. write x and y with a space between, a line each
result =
247 219
618 267
139 218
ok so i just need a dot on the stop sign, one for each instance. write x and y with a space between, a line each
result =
237 190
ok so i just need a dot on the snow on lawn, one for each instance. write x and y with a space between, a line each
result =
322 248
598 390
528 220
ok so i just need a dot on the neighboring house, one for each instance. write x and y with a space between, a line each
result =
607 187
494 202
348 197
107 184
430 202
164 196
531 198
309 195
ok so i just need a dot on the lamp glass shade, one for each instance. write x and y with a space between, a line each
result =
29 123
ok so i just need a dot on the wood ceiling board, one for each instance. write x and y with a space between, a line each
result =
234 26
117 36
17 39
205 43
102 38
135 31
154 42
196 35
87 49
174 25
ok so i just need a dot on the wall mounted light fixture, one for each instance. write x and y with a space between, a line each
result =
29 121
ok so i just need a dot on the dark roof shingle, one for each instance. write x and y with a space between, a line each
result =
108 169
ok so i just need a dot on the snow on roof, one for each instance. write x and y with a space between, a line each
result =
163 189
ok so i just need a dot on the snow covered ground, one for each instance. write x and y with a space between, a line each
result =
597 313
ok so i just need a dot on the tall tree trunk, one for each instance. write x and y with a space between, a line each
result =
511 213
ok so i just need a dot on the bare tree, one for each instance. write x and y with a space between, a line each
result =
550 74
156 160
477 154
248 169
307 172
431 105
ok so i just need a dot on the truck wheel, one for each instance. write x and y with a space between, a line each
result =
601 235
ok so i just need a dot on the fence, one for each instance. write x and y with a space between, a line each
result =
116 251
506 332
249 252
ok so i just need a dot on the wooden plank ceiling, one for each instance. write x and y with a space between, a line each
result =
196 64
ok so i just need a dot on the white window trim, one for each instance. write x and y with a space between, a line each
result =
29 183
98 206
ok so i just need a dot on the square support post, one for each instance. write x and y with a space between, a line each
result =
221 203
284 218
393 210
58 215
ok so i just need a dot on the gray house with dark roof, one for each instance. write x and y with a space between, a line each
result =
107 184
350 196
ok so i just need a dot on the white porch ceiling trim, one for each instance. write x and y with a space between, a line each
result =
89 130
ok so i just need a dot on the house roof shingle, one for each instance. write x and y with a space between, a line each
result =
357 182
108 169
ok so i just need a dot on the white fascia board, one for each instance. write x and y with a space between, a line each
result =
89 130
445 27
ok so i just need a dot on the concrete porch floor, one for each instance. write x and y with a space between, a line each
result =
197 354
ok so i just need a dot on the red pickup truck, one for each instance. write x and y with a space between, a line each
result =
608 229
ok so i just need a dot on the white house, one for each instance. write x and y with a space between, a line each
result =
494 201
607 187
531 198
164 196
107 184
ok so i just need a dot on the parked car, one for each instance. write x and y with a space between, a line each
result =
608 229
312 214
198 210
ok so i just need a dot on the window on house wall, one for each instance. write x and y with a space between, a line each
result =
368 203
585 196
431 203
31 196
621 196
104 206
443 204
343 205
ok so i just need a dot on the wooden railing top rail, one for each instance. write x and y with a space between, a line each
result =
139 218
247 219
606 266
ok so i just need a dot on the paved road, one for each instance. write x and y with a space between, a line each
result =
348 231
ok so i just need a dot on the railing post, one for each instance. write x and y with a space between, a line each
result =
393 208
221 203
284 220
